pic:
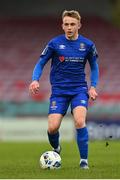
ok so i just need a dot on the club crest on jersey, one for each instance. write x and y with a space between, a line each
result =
61 46
53 105
61 58
82 47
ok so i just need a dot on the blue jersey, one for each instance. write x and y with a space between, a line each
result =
68 60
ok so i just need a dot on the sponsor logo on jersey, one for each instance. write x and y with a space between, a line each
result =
74 59
53 105
82 47
61 58
61 46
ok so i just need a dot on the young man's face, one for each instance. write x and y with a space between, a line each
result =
71 26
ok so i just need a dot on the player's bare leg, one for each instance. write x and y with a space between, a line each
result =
54 122
79 114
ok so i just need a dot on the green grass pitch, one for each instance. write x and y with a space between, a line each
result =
21 161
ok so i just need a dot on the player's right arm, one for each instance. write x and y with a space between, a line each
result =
37 72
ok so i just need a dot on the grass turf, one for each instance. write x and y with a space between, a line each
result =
21 161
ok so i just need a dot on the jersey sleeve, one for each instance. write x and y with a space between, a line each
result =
93 61
44 58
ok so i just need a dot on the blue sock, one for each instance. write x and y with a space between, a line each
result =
82 141
54 139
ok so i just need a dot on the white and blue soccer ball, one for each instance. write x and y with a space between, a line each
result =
50 160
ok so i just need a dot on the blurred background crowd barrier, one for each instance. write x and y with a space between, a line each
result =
25 28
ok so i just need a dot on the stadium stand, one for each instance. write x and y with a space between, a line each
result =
22 40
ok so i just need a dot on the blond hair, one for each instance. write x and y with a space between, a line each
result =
72 13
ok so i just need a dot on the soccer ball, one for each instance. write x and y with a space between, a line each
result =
50 160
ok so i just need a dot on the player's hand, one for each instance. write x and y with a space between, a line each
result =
34 87
92 93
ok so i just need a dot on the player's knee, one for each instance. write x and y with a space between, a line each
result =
52 129
79 123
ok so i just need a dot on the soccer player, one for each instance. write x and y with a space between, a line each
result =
69 53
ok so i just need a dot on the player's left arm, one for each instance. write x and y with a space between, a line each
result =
93 61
